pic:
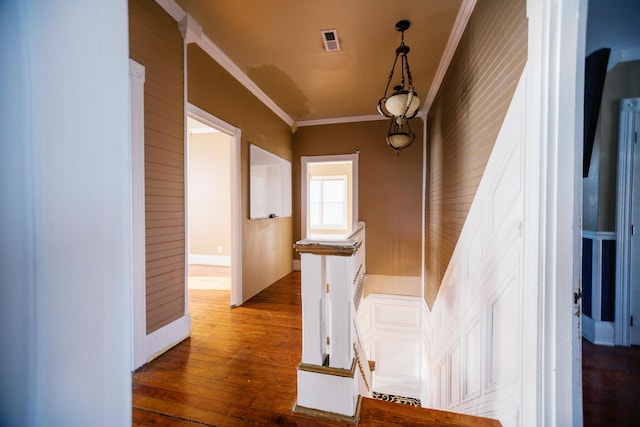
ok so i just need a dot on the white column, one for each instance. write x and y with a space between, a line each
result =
339 277
312 308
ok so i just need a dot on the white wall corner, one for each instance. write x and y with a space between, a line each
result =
622 55
168 336
190 28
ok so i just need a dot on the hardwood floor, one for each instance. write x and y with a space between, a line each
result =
611 385
239 368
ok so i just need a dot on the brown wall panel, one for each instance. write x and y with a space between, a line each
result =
156 43
464 122
266 243
390 189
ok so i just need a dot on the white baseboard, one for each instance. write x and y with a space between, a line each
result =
163 339
224 260
598 332
297 265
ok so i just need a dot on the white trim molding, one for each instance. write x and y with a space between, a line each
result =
138 266
191 30
304 186
177 13
163 339
466 8
629 110
201 259
552 376
236 197
338 120
597 331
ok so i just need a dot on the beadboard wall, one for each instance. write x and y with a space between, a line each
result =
156 43
464 121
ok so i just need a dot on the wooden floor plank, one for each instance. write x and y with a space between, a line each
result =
610 385
240 367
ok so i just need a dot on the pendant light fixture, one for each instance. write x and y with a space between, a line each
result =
402 104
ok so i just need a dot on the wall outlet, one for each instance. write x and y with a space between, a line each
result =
219 249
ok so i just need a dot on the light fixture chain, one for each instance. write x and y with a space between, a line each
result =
393 67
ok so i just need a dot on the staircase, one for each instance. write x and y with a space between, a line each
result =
335 379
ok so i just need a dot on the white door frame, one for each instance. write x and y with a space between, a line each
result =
236 199
552 225
304 187
628 109
138 251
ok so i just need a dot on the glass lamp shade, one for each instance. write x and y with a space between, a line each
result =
396 104
400 140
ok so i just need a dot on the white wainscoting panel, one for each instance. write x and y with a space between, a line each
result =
392 329
476 337
472 360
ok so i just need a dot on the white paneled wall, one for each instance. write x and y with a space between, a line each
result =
475 343
392 328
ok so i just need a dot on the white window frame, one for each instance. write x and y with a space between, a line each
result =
304 188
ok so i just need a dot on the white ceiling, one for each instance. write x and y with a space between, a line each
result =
278 45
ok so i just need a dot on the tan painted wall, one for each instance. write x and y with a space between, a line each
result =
390 190
156 43
599 190
266 243
209 194
464 121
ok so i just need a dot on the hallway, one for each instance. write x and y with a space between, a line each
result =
239 368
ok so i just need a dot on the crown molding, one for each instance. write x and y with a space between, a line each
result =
466 8
190 29
225 62
178 14
337 120
172 8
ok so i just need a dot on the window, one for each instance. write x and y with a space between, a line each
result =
328 202
329 193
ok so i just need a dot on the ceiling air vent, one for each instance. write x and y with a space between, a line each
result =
330 40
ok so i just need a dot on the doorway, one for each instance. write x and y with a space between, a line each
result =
213 205
627 310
